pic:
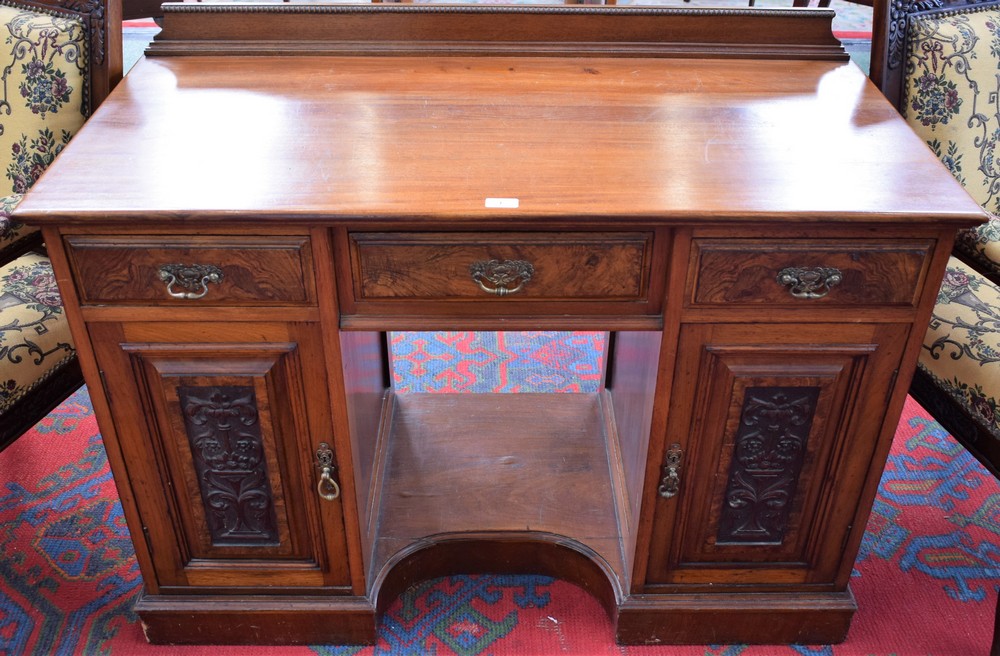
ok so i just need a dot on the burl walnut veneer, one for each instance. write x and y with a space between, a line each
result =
272 189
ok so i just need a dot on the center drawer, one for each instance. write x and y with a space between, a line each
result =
436 271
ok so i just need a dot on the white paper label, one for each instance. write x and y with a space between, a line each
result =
503 203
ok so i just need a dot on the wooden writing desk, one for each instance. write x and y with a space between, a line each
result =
243 219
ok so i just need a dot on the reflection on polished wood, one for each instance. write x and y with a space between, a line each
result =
645 139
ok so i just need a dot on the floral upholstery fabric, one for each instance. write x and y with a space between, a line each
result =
43 99
34 334
981 245
11 231
951 101
43 102
962 347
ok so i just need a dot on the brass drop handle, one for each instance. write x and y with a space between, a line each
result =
814 282
327 487
192 277
501 275
670 484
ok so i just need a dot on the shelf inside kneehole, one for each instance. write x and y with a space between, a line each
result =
494 464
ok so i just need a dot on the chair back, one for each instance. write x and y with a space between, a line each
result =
60 59
938 61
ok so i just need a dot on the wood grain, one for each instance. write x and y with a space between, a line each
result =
256 270
405 139
273 360
497 29
719 365
745 271
617 163
470 463
582 266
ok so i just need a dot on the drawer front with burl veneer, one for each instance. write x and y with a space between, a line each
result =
216 270
487 272
799 273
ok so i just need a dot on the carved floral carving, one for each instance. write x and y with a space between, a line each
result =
223 428
769 449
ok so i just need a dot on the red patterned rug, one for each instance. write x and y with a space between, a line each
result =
925 580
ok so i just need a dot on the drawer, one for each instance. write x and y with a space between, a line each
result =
501 267
807 272
191 271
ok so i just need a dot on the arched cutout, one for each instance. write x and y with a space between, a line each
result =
529 552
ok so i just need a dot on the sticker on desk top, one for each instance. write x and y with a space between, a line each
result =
502 203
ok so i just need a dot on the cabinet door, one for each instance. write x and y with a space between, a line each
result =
771 434
220 427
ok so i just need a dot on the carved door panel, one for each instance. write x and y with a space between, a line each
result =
222 433
765 433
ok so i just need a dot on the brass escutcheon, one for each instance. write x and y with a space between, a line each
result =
670 484
327 487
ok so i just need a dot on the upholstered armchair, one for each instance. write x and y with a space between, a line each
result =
940 68
60 59
938 61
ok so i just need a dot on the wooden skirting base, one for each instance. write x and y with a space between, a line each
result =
692 619
250 620
766 618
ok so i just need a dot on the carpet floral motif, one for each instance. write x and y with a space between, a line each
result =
68 577
933 471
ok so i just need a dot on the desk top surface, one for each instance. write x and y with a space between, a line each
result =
212 138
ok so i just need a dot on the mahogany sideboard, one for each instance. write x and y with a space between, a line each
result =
272 189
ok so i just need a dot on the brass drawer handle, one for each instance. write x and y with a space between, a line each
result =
192 277
814 282
501 275
327 487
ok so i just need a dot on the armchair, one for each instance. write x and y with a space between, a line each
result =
939 67
60 59
937 61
